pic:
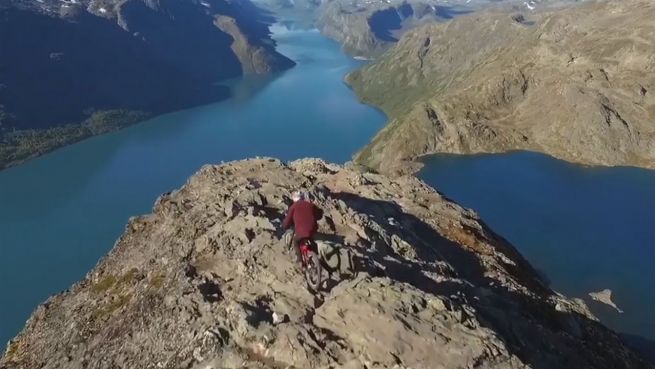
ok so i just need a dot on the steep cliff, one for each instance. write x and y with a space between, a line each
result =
66 65
203 282
575 83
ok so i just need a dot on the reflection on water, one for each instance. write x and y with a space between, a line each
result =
60 213
244 89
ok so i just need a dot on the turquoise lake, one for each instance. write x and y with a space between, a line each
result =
584 228
62 212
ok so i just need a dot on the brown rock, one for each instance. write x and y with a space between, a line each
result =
176 293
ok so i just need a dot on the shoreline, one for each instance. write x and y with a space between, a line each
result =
564 217
132 157
45 141
122 279
412 165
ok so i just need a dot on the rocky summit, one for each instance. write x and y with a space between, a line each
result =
575 82
205 282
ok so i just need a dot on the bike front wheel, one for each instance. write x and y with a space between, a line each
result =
313 272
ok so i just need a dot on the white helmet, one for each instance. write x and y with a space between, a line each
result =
297 196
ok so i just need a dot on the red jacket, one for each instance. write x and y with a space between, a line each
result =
303 215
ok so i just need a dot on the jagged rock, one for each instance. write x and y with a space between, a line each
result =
605 297
436 289
279 318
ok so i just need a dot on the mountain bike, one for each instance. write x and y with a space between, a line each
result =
312 267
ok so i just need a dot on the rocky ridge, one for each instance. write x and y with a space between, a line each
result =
575 83
367 28
605 297
204 282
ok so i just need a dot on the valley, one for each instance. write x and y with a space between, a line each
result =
102 278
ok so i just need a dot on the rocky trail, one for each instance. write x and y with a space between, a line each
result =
205 282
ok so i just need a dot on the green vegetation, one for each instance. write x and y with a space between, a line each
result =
18 146
366 156
14 351
111 283
116 289
112 120
390 90
157 280
104 284
108 309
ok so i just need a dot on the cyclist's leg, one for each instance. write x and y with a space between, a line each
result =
296 248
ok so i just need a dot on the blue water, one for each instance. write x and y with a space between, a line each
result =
60 213
585 228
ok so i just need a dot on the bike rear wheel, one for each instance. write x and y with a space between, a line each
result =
313 272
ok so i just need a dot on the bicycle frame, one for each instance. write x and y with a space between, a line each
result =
304 250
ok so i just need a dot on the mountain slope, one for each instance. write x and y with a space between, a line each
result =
67 66
575 83
204 282
369 27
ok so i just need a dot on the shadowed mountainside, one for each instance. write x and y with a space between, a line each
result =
367 29
77 64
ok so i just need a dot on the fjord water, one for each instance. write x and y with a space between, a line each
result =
585 228
60 213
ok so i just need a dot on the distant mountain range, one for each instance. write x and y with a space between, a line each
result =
71 69
367 28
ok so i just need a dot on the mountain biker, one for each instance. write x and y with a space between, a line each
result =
303 215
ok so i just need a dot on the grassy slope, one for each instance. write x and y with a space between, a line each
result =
574 84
